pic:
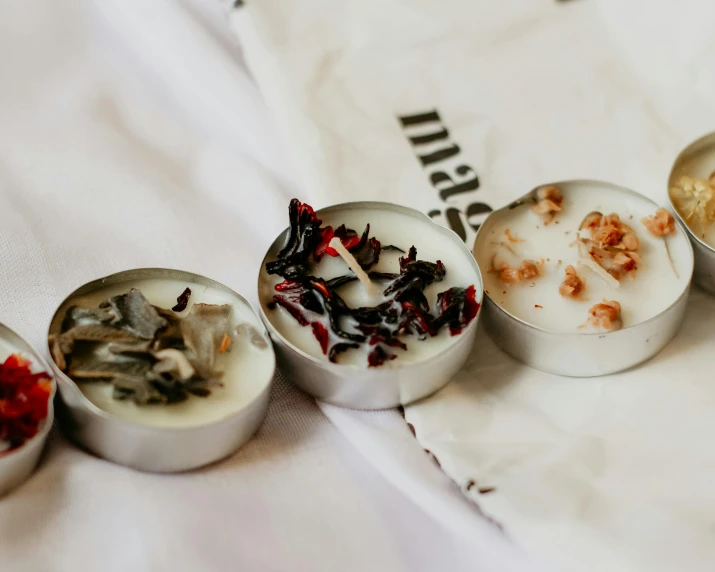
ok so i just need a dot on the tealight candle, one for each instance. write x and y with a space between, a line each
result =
573 263
174 353
691 188
378 311
26 410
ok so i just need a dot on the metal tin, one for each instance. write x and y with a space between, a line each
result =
362 387
146 447
579 354
18 465
703 151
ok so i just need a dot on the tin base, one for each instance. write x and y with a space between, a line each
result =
371 389
155 448
588 355
145 449
17 466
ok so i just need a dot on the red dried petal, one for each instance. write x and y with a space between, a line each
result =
24 400
182 301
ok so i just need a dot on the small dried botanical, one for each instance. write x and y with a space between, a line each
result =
24 402
572 285
610 244
147 353
527 269
548 202
660 223
605 315
694 199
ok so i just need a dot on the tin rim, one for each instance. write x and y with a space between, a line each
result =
361 205
707 140
521 200
16 339
154 273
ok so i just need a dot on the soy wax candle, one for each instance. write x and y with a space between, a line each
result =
370 305
691 188
161 370
583 278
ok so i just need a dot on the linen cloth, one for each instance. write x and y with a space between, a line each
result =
456 107
131 135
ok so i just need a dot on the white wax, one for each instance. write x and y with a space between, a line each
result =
247 368
699 165
654 288
390 228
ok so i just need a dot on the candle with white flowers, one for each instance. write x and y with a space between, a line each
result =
577 258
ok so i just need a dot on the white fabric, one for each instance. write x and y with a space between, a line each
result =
605 474
131 135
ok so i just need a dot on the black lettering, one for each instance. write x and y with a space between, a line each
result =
455 189
440 155
430 137
466 179
428 117
455 222
474 210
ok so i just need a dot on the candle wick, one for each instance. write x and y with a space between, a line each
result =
337 244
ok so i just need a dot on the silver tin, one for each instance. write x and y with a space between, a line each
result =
701 151
363 387
18 465
581 354
145 447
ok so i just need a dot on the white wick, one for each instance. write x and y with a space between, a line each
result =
337 244
598 269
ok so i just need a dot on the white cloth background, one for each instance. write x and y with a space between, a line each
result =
131 135
605 474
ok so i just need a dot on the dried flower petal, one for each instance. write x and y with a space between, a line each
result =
24 402
591 221
182 301
608 246
527 269
548 202
660 223
225 343
572 285
606 315
694 199
630 241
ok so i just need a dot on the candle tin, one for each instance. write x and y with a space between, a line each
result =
697 159
579 354
17 466
362 387
146 447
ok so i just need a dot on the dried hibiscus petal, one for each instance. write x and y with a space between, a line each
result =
24 401
182 301
378 356
303 237
457 307
311 303
366 250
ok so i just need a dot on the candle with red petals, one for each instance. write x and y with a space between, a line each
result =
421 294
